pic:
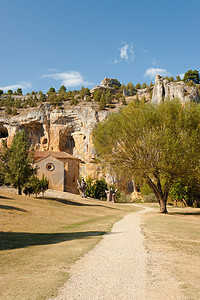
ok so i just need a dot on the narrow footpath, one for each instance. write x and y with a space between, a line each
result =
116 269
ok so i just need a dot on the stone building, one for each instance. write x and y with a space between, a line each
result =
60 168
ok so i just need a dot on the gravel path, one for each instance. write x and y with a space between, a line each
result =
115 268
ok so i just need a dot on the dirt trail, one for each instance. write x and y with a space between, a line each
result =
117 268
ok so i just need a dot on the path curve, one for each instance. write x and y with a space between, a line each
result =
115 268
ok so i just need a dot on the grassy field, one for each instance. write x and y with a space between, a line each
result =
41 238
174 240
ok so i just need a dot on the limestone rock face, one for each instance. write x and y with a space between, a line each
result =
164 89
110 83
67 130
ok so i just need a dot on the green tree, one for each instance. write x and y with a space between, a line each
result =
51 90
130 86
192 75
19 91
16 161
44 184
178 78
62 89
97 95
138 86
109 97
84 92
96 188
1 92
157 143
144 85
102 103
9 92
36 186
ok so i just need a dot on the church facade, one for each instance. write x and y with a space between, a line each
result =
60 168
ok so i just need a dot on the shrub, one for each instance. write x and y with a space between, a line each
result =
150 198
96 188
122 197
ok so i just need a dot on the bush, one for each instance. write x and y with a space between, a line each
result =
73 101
122 197
96 188
150 198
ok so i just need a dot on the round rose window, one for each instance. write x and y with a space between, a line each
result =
50 167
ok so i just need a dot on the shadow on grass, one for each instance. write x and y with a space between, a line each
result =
8 207
3 197
14 240
195 213
70 202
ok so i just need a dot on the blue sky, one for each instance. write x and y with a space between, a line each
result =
77 43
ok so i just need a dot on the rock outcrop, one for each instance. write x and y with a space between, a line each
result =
164 89
67 130
107 83
110 83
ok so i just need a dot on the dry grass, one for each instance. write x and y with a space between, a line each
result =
41 238
174 239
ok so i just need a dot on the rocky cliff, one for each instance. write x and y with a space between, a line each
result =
67 130
164 89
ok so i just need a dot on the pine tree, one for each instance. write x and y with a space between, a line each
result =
16 162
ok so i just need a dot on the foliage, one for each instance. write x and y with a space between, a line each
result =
186 190
122 197
19 91
62 89
84 92
16 161
192 75
97 95
1 92
102 102
36 186
130 86
178 78
144 85
108 97
96 188
9 92
155 142
51 90
138 86
118 96
73 101
149 198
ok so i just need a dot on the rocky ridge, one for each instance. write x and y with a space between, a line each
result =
164 89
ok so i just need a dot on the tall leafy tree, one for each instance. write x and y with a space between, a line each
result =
192 76
156 143
16 162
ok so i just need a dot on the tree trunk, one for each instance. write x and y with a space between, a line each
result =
160 195
19 190
163 205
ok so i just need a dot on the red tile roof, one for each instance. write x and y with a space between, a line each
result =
56 154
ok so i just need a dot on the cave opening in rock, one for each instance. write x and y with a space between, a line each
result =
3 131
66 142
34 132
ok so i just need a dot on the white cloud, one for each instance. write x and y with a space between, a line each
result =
127 53
21 84
152 72
69 79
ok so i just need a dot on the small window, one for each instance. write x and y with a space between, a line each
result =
50 167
